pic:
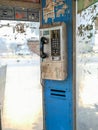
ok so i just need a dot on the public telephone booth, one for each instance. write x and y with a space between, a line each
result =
51 77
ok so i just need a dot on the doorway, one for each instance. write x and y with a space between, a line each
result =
22 107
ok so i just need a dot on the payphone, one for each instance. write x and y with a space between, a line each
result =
53 51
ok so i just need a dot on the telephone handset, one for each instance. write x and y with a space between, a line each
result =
53 51
42 42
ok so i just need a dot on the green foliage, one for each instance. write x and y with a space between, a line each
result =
83 4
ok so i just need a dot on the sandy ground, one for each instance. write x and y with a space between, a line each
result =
22 108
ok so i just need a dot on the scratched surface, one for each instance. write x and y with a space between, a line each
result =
53 70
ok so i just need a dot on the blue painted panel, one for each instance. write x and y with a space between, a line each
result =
58 118
58 102
62 10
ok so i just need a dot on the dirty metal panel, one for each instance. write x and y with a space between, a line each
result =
6 12
54 66
54 70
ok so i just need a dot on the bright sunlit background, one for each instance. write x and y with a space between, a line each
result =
22 109
87 68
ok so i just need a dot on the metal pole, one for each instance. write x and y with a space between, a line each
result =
0 121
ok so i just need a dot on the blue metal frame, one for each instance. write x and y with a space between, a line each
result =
59 109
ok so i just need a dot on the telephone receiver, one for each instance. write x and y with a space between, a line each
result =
43 41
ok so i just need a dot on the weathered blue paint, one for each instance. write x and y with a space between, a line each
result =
59 109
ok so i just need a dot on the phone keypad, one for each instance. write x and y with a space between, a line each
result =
55 47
